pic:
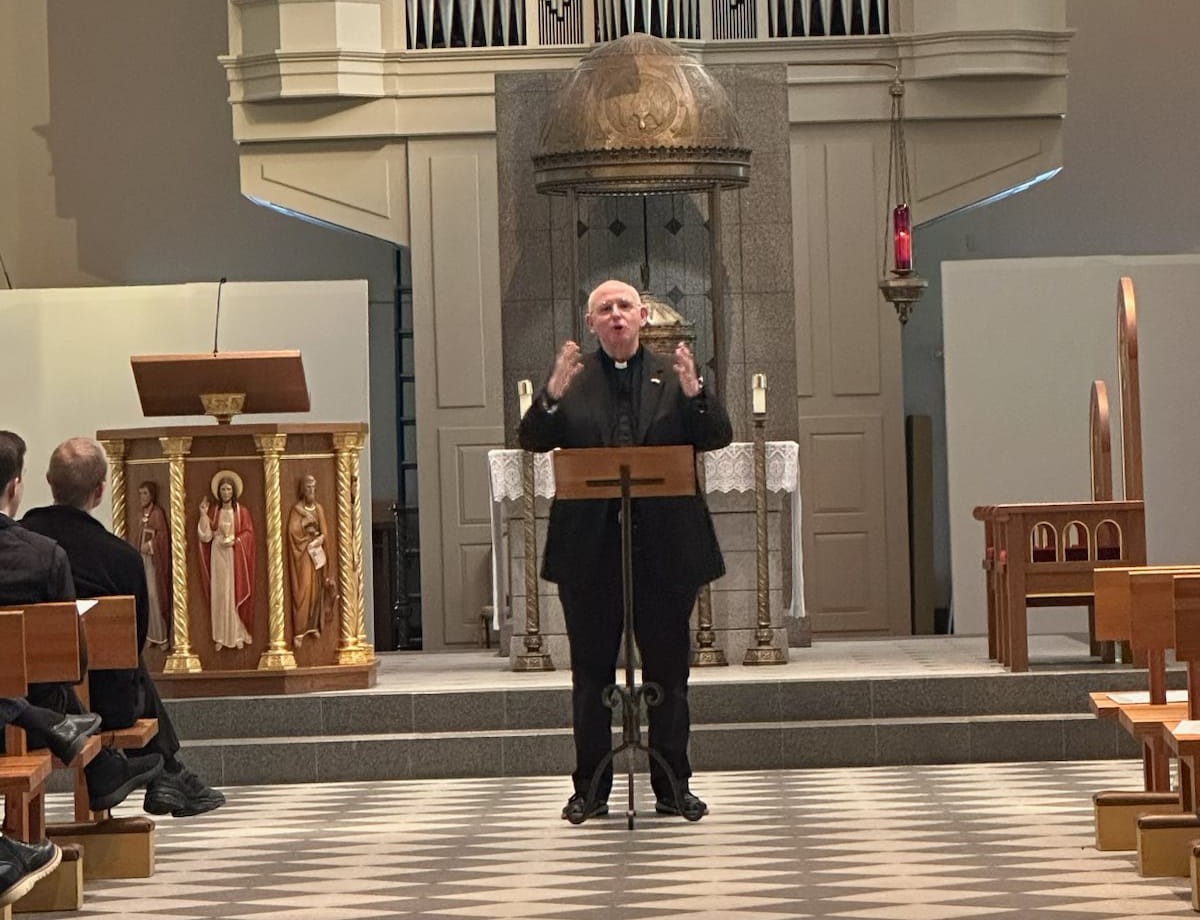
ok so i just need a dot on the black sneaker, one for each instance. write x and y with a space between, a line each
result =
692 807
576 810
23 865
112 776
181 795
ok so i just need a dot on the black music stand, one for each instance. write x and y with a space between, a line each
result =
627 473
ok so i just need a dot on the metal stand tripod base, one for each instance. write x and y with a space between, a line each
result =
627 698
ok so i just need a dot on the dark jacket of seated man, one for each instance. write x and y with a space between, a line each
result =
34 570
102 565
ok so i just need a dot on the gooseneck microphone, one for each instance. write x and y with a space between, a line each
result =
217 323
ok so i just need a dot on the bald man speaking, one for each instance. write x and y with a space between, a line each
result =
623 395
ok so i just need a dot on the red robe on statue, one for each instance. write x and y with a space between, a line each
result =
243 563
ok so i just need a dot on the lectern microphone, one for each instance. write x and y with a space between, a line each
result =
217 323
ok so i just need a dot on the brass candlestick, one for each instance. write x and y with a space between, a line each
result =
705 655
763 651
534 658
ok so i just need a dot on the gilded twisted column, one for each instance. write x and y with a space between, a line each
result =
762 652
350 647
276 656
182 659
534 658
356 516
704 655
116 484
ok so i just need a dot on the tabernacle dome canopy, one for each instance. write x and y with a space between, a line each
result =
638 116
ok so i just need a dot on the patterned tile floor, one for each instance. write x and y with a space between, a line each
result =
889 843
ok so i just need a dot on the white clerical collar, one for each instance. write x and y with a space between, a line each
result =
620 365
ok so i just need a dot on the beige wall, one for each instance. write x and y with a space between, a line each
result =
1025 338
1128 186
66 368
117 166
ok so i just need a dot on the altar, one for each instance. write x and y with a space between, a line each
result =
728 482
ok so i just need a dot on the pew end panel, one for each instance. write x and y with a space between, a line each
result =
1195 869
116 847
1165 844
1116 815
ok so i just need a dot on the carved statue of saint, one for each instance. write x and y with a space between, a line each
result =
154 543
227 554
312 580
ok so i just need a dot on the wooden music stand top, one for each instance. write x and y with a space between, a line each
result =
272 381
654 472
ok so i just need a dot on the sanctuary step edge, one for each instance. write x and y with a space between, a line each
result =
753 724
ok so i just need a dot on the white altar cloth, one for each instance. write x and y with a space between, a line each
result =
730 469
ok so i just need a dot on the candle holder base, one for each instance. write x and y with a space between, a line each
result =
709 658
533 662
764 655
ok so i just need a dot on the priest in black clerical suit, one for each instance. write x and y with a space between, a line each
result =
619 395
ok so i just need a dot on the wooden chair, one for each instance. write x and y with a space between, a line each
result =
22 775
1166 842
115 847
1137 605
49 642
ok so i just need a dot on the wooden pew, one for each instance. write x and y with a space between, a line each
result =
1137 605
1046 554
50 647
22 775
115 847
1165 842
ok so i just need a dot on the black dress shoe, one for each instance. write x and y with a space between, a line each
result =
691 806
22 865
576 810
112 776
67 737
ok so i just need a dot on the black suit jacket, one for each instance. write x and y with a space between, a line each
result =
673 537
102 565
33 570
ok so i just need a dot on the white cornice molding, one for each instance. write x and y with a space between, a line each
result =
1009 73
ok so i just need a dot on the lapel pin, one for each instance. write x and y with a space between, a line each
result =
655 380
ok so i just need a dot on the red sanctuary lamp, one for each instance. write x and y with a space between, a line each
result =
904 287
901 238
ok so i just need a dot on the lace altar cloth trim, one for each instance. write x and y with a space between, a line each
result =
730 469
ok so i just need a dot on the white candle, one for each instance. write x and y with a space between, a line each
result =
759 403
524 395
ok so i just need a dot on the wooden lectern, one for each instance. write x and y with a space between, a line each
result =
627 473
300 618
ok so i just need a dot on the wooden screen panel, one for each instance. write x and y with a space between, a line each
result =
1101 443
1131 398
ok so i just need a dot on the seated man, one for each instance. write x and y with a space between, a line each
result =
34 570
101 565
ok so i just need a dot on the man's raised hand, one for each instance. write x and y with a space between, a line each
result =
685 367
566 366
